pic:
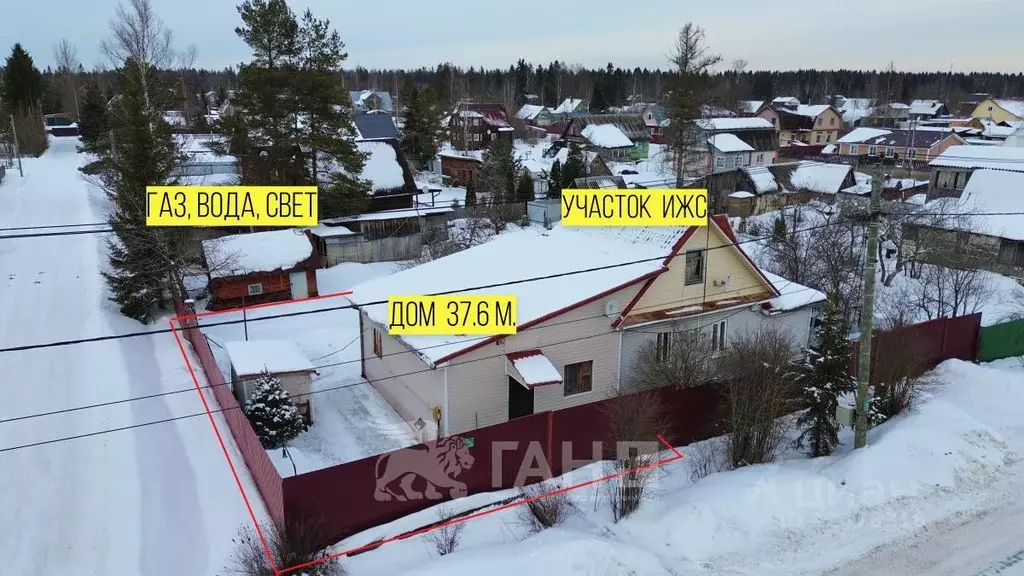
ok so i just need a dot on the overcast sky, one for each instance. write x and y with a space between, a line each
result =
914 34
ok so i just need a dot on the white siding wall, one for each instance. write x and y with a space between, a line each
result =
402 378
478 384
796 324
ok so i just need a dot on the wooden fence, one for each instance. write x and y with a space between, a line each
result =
999 341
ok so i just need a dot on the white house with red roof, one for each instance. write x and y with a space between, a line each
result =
587 299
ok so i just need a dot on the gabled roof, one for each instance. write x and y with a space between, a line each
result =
595 182
750 106
991 203
359 98
734 124
925 106
375 127
1009 158
859 135
243 254
493 114
1011 105
251 357
386 168
631 125
906 138
606 136
568 105
798 176
726 142
529 111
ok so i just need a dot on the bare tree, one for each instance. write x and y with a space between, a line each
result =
296 543
139 37
543 511
691 60
681 359
758 374
634 419
448 535
66 56
900 374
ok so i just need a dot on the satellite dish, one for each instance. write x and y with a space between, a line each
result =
611 308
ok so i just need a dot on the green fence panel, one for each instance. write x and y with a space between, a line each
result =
1004 340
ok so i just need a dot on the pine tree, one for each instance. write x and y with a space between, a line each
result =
598 103
92 124
145 261
823 378
555 180
524 188
22 81
470 195
275 419
779 229
499 172
574 167
420 137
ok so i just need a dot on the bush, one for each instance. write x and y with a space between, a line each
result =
447 536
539 513
706 458
296 544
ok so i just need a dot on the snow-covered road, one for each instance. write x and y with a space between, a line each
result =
155 500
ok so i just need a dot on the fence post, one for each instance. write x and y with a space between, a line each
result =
945 337
548 435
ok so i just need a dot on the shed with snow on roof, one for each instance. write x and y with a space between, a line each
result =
247 269
281 359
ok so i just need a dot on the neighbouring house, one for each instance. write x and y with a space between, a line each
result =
1015 138
725 144
579 335
631 126
473 126
817 125
366 100
202 165
603 181
607 141
536 115
853 110
463 167
927 109
790 183
952 170
391 181
375 127
727 152
749 108
281 359
987 218
888 115
657 121
910 148
999 109
571 105
246 269
787 101
967 106
387 236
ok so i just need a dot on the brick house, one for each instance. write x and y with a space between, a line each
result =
473 126
817 125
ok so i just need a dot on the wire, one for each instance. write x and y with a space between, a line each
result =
355 306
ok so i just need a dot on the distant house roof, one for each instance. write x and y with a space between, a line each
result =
251 357
360 98
375 127
733 124
606 136
568 105
243 254
712 111
658 113
791 121
529 111
631 125
906 138
812 111
799 176
786 100
729 143
925 107
1011 105
493 114
1008 158
987 191
750 106
386 169
859 135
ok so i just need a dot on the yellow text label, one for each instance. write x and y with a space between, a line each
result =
451 315
638 207
231 206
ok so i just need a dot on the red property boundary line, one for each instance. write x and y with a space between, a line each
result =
677 455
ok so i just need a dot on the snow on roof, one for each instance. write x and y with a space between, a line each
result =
999 131
197 148
763 180
858 135
735 124
325 231
786 100
994 157
534 368
741 194
242 254
1013 106
729 143
751 106
812 111
824 178
382 167
830 149
511 257
899 106
249 358
987 191
918 199
924 106
792 295
390 214
568 105
606 136
529 111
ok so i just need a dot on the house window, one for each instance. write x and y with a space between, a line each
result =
912 153
476 121
378 344
737 161
888 152
945 179
872 150
760 158
831 121
817 138
718 336
664 346
1011 253
854 149
828 137
578 378
720 162
255 289
818 122
694 267
476 137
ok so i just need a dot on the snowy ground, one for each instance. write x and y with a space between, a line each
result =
949 463
351 420
157 500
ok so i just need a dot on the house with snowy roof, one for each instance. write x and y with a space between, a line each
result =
375 126
536 115
889 115
581 323
607 134
366 100
272 266
953 169
999 109
817 125
927 109
900 147
853 110
473 126
792 182
571 105
987 218
391 181
657 121
749 108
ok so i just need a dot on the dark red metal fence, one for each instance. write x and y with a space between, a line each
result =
921 347
263 472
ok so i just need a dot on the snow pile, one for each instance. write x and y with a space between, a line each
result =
276 356
606 136
792 295
988 192
382 167
1008 158
729 143
242 254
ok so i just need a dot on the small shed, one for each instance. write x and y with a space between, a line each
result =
281 359
246 269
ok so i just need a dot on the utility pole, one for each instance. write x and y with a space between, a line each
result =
17 154
867 312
